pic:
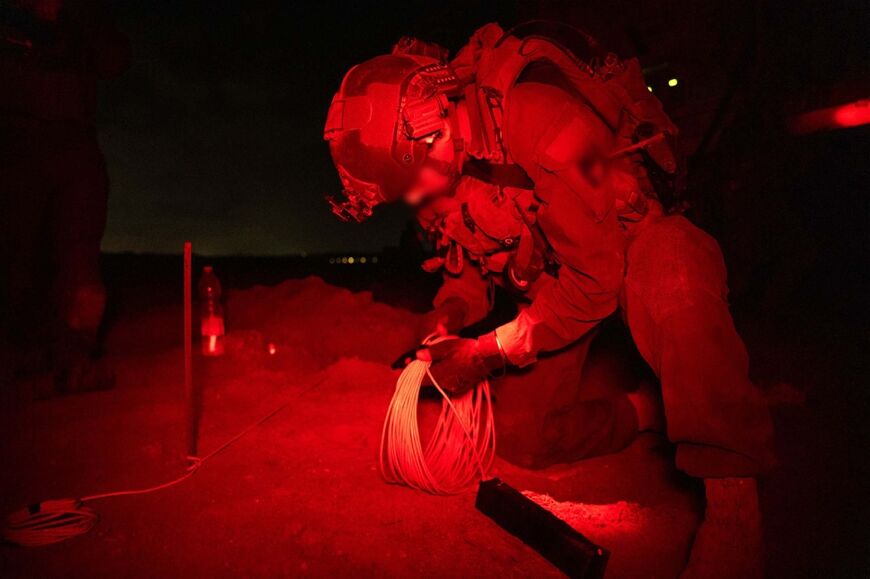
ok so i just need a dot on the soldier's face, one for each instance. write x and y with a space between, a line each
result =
430 182
429 185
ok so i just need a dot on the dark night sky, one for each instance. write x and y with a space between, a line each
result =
214 134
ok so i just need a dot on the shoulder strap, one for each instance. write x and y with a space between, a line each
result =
614 90
501 174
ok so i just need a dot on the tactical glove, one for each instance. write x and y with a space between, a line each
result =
459 364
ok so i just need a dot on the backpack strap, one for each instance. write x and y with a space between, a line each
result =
501 174
613 89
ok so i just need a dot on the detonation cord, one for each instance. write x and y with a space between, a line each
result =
57 520
462 445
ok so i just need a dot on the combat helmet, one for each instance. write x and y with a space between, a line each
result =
382 123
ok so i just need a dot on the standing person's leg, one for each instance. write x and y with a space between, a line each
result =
675 301
78 220
568 406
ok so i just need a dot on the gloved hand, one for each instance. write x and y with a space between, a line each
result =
459 364
445 320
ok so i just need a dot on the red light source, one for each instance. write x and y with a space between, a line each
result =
272 349
853 115
213 345
844 116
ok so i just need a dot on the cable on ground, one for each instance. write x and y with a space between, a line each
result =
57 520
461 448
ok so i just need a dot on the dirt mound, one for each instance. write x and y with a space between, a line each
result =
301 494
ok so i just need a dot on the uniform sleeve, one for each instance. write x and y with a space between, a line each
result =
591 257
472 288
577 218
560 314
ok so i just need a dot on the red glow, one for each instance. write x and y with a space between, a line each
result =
212 345
272 349
853 114
600 521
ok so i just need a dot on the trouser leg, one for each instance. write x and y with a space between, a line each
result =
675 304
568 406
78 220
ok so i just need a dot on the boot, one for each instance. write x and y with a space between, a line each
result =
728 544
78 364
84 374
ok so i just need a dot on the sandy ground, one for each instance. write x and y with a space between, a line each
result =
300 495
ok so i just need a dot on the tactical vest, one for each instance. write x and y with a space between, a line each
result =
614 90
493 226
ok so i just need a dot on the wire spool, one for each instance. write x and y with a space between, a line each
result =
461 448
49 522
57 520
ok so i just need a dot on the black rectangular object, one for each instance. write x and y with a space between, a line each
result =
553 538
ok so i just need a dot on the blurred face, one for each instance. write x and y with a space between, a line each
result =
432 183
610 177
601 172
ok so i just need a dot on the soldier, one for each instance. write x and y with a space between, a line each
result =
539 162
53 181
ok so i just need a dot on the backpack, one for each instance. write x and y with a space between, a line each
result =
614 90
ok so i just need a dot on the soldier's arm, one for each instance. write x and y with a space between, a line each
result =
585 292
464 297
577 218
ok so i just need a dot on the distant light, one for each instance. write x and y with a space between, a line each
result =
854 114
350 260
673 82
649 88
272 349
362 260
331 260
374 259
343 260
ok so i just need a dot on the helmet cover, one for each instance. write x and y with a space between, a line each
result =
377 128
